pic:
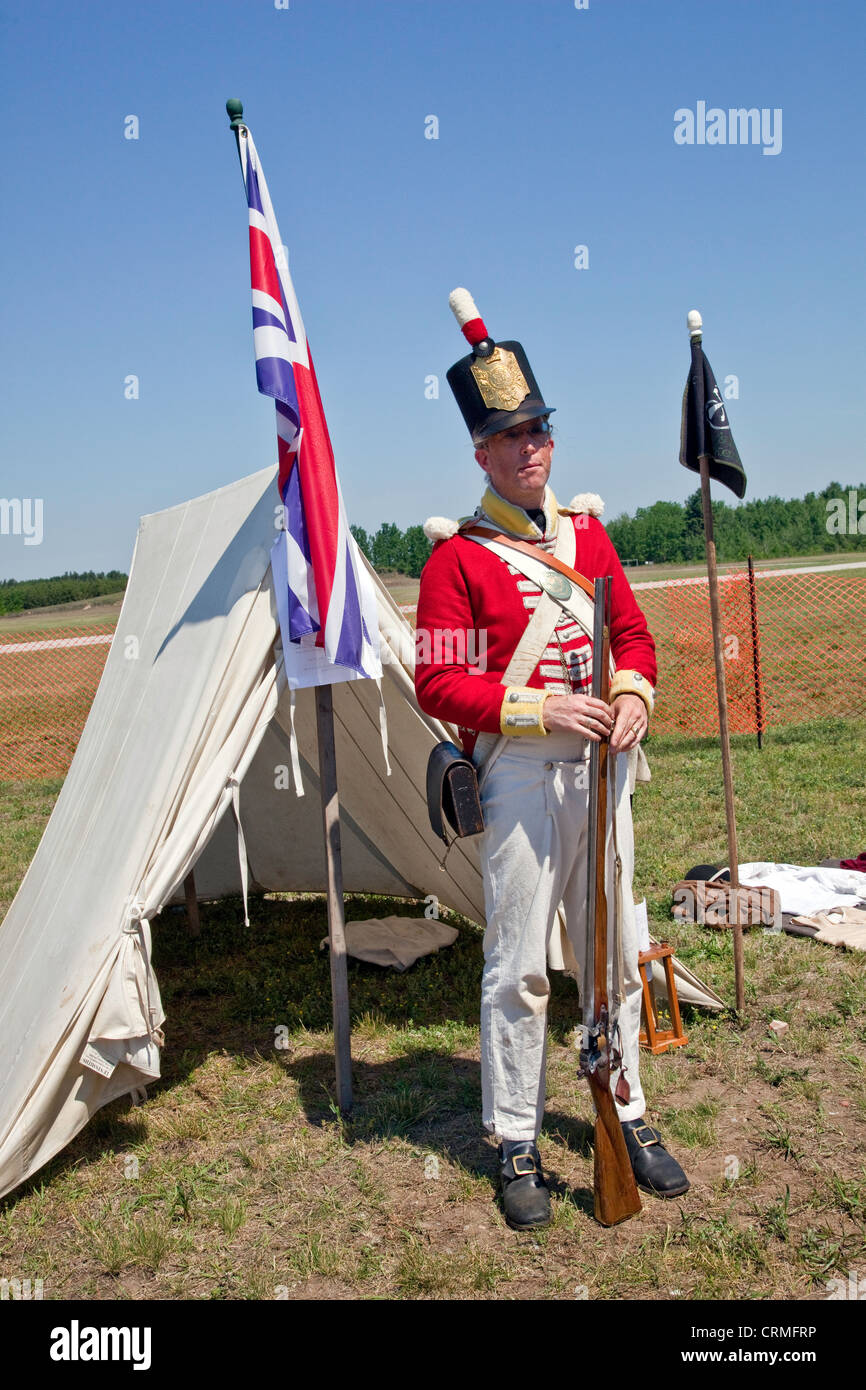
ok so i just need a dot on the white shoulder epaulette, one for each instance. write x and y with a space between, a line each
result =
585 502
440 528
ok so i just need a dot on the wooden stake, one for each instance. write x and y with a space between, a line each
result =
336 915
756 655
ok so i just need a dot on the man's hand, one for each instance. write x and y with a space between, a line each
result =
625 721
580 714
630 722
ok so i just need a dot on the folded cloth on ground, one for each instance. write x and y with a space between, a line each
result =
806 889
859 863
720 905
395 941
842 926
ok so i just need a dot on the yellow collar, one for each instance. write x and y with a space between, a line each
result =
507 516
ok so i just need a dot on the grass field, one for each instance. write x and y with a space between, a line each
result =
652 573
238 1180
80 614
405 590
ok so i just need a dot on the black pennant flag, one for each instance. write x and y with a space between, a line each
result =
708 431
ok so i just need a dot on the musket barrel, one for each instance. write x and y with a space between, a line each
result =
595 760
616 1195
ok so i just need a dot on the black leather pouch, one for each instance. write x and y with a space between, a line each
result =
452 792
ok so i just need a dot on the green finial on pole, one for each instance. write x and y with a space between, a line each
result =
235 109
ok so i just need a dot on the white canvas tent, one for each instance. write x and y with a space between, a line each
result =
189 731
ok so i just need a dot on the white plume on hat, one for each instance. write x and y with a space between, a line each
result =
463 306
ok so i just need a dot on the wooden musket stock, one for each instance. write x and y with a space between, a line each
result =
614 1188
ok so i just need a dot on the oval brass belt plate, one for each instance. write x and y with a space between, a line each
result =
556 585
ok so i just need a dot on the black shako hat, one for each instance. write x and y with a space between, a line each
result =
494 386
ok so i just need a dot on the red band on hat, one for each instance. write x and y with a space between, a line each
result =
474 331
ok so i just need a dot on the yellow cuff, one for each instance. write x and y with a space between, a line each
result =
633 683
522 712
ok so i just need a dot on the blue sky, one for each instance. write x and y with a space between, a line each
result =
555 129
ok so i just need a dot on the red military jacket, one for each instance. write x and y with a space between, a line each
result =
477 598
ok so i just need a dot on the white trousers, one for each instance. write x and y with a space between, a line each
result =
533 854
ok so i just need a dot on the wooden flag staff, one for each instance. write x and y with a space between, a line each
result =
336 906
695 324
330 827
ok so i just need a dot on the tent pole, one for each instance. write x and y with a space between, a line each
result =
336 916
193 921
716 618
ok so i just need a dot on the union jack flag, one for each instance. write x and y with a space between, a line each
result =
329 594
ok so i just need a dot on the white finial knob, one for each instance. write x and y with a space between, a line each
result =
695 323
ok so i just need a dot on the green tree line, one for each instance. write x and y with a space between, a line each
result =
18 595
673 532
393 549
667 532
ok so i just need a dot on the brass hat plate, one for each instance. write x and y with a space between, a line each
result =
556 585
500 380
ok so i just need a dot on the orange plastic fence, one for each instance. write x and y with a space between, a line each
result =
794 642
48 679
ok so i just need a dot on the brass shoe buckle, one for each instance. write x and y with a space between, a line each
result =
646 1143
523 1158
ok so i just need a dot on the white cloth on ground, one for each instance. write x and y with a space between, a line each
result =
396 941
533 852
805 889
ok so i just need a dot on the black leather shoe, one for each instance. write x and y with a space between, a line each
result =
655 1170
525 1195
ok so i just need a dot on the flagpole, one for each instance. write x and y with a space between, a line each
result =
336 905
330 830
695 325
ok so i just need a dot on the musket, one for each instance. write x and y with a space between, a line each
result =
614 1188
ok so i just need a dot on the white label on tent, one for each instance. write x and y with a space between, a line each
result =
305 663
96 1062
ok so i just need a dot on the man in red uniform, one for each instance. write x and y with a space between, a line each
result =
527 718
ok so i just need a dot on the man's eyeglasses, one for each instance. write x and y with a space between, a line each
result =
539 429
